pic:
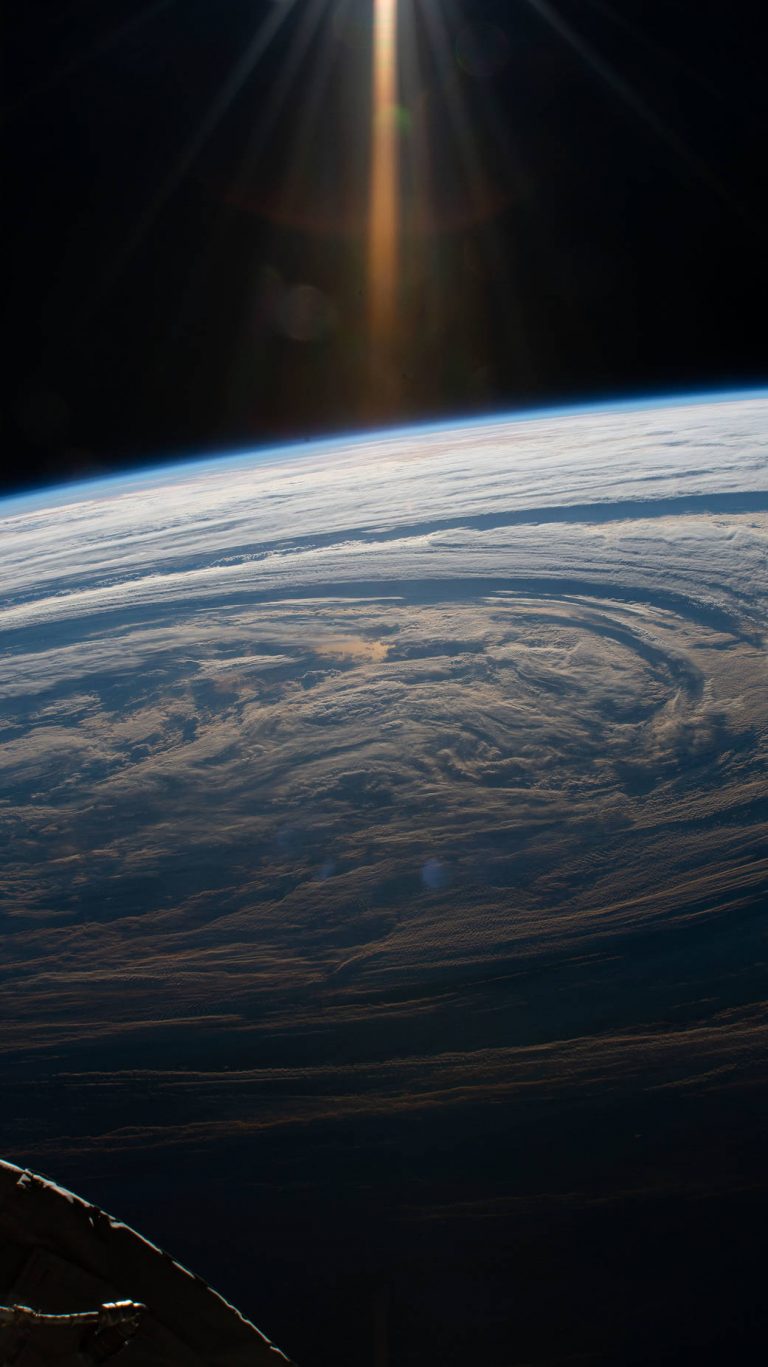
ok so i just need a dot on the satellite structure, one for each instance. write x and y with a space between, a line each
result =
78 1287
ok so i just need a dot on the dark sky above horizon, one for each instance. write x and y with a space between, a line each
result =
186 271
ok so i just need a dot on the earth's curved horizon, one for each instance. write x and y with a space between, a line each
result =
384 828
168 463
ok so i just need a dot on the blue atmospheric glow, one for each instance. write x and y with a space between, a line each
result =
150 473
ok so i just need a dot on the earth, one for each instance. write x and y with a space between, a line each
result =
383 827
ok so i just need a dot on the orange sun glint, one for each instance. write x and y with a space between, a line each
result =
384 204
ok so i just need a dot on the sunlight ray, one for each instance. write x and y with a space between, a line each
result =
663 54
435 25
696 165
310 119
384 200
223 100
285 87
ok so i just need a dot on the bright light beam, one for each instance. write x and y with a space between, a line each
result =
383 229
233 86
637 104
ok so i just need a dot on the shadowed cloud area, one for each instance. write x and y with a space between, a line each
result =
383 881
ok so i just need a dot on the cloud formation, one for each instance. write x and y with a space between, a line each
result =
418 782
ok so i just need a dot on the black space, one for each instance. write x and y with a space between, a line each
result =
621 247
